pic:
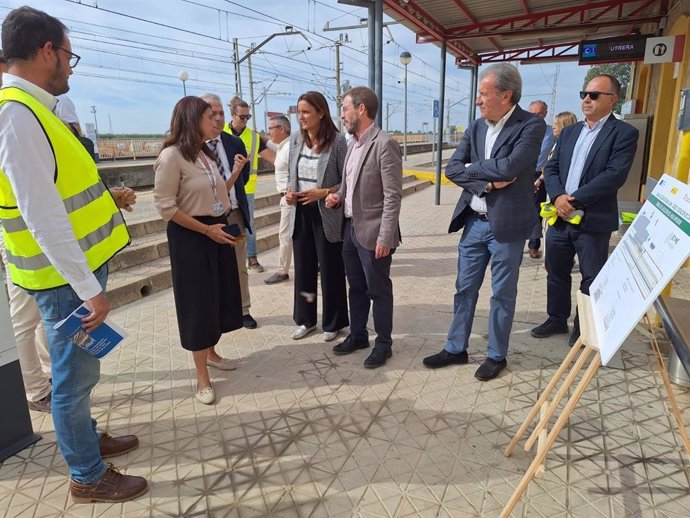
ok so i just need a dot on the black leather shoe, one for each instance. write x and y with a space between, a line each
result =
349 345
249 322
549 328
378 357
490 369
444 358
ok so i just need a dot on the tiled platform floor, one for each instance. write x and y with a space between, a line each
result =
299 432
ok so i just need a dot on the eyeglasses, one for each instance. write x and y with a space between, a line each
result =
593 95
73 58
244 117
271 128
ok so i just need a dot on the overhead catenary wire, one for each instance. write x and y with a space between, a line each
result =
162 53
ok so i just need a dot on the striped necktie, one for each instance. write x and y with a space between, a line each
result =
221 169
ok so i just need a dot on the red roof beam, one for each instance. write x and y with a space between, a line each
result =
532 53
662 8
409 11
555 28
535 17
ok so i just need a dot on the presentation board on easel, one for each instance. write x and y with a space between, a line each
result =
650 253
648 256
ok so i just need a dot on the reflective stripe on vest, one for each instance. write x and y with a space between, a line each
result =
250 139
96 221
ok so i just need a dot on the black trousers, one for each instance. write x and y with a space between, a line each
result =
562 243
314 254
538 197
370 281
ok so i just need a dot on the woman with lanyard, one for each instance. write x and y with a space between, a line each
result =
315 169
191 195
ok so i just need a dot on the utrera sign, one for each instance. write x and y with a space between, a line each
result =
612 50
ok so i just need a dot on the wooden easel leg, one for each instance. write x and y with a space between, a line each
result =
562 391
542 439
544 396
553 435
669 390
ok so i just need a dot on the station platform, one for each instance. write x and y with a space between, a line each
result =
299 432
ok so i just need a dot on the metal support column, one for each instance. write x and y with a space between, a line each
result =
236 62
338 96
471 113
372 48
378 61
251 90
441 106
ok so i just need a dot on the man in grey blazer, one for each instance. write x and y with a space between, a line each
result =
494 164
370 195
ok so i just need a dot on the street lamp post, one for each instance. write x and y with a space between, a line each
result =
183 76
405 59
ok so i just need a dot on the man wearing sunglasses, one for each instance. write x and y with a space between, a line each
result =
57 249
256 146
590 163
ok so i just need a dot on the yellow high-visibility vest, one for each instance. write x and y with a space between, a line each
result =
96 221
251 143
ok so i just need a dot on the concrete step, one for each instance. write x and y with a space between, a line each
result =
143 267
412 186
149 240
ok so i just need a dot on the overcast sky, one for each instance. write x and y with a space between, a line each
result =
132 52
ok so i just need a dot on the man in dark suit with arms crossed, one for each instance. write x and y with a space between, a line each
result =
494 164
590 163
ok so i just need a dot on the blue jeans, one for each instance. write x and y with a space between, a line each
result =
478 246
75 373
251 238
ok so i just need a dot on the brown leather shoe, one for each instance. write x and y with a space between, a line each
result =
112 487
534 253
114 446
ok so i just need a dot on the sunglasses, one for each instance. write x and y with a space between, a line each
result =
592 95
244 117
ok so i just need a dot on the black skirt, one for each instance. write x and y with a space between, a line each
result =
206 286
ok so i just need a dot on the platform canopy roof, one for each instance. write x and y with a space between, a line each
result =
485 31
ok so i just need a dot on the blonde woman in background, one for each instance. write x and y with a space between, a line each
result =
560 121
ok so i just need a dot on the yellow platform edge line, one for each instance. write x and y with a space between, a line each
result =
426 175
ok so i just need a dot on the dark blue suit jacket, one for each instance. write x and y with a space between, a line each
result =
514 155
233 145
606 169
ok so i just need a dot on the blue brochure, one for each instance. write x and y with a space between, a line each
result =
98 342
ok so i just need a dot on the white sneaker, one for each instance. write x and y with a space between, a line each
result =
302 331
206 396
329 336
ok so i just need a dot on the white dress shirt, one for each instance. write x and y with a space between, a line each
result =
65 110
493 131
582 146
281 165
27 159
351 167
234 204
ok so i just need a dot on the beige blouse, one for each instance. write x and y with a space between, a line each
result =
183 185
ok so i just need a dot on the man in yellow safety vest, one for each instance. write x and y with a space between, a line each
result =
60 228
256 146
